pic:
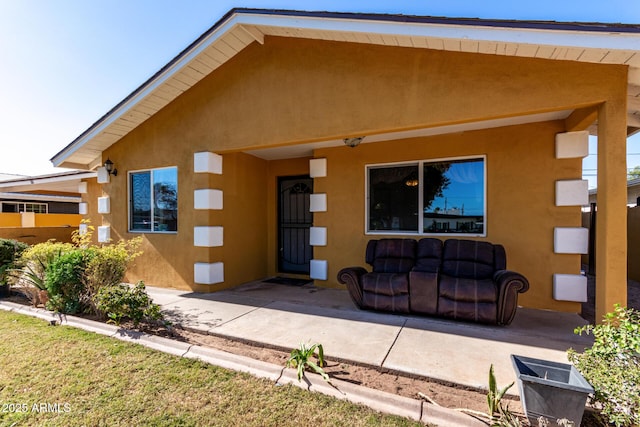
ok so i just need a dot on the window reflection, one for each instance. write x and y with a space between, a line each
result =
154 200
453 197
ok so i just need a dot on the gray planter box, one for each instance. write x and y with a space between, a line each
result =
550 389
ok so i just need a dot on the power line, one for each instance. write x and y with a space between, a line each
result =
628 154
594 169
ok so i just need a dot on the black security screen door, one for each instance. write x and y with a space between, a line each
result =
294 222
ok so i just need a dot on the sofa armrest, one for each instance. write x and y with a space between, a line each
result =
352 277
509 285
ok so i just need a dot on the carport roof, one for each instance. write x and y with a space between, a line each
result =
583 42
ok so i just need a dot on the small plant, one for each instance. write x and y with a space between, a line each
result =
300 358
612 366
499 415
119 302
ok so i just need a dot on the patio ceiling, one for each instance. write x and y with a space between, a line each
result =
306 150
596 43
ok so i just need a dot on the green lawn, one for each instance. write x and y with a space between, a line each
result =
61 376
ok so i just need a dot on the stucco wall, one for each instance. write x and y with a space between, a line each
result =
33 235
290 91
10 220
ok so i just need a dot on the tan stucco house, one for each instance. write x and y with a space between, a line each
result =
280 142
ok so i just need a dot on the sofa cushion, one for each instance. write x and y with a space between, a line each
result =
386 283
423 296
468 259
472 311
397 303
393 265
391 255
461 289
428 255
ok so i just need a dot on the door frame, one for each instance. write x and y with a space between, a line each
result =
279 263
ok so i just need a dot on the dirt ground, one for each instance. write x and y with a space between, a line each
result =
446 395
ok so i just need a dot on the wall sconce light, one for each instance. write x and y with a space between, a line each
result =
353 142
108 165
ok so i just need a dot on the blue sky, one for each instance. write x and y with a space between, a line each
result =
65 63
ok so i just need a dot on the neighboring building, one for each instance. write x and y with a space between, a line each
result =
282 141
633 193
50 200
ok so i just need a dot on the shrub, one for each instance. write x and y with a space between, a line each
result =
64 281
73 274
107 267
10 251
40 255
110 262
32 266
119 302
612 366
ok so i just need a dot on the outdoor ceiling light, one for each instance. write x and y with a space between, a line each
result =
108 165
353 142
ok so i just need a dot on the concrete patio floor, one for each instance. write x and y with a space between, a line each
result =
283 316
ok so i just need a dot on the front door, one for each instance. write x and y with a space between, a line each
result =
294 222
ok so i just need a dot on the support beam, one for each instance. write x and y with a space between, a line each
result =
255 33
581 119
633 120
611 230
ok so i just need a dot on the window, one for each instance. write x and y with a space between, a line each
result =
427 197
153 200
16 207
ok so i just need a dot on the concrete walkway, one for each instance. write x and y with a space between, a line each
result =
283 316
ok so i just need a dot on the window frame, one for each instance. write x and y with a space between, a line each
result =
130 200
420 164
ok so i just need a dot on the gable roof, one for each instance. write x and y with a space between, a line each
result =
585 42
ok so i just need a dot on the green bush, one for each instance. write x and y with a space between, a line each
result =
108 266
119 302
33 262
10 251
65 281
73 274
612 366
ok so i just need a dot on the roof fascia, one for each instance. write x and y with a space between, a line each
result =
47 179
522 24
571 36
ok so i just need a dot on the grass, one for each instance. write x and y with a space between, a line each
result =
89 379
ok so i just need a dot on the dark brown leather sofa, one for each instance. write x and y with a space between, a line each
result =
457 279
